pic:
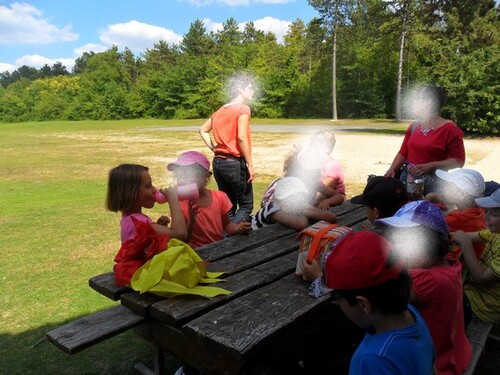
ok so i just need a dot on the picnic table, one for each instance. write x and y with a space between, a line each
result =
222 335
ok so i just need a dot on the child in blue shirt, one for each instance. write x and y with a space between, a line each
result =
373 292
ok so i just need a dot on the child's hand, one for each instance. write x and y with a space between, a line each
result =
170 193
311 271
460 237
324 205
244 227
163 220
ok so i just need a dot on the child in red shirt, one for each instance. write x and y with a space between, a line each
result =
207 216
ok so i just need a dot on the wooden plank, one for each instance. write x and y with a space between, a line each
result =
140 303
352 217
345 208
477 333
243 242
177 311
240 326
254 256
105 284
92 329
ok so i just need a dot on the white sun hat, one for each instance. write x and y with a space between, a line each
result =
468 180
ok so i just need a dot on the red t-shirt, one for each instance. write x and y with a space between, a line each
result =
208 226
225 128
439 291
469 220
439 144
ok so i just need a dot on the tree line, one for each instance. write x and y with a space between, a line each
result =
357 59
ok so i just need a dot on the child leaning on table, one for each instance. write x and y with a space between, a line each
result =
290 207
482 287
130 189
207 216
373 291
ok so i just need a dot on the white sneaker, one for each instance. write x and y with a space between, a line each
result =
180 371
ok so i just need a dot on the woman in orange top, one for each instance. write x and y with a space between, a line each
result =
232 164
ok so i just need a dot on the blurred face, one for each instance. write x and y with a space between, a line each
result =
191 174
294 204
146 194
493 219
452 195
410 245
247 92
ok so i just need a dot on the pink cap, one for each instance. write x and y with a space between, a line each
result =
190 158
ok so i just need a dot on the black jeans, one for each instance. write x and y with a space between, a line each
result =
231 175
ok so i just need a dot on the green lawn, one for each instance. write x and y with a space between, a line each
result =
55 233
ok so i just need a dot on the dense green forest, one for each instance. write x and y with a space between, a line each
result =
359 56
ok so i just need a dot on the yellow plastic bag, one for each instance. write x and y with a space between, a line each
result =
177 270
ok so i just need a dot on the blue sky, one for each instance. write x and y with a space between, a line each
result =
40 32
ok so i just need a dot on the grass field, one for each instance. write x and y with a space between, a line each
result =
55 234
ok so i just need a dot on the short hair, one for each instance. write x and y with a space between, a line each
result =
389 297
124 182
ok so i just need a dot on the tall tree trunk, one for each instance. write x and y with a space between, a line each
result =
334 74
400 71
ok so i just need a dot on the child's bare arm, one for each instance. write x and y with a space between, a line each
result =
178 228
319 215
479 274
297 222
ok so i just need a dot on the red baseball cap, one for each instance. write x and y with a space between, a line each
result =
360 260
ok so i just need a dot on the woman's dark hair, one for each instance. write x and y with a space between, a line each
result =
389 297
124 182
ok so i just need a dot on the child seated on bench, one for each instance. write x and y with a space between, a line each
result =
373 291
482 286
290 207
207 216
130 189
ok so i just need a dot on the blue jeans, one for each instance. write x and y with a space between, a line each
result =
231 175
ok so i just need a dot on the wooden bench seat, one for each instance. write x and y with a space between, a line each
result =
84 332
477 333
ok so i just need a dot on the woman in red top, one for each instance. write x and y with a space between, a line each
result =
232 164
431 142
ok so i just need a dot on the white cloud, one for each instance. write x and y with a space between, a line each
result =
89 47
7 67
266 24
24 24
37 61
274 25
136 35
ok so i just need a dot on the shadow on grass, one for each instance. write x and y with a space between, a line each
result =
31 353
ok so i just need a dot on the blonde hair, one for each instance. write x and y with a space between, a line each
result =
124 182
